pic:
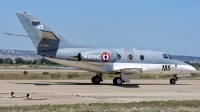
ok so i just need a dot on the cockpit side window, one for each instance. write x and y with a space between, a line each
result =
165 56
35 23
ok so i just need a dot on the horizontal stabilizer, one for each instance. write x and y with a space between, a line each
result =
11 34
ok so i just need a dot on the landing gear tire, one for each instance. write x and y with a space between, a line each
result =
172 81
96 80
117 81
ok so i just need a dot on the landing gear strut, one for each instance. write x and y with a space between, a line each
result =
97 79
173 80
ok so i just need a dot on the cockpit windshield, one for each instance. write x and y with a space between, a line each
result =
167 56
170 57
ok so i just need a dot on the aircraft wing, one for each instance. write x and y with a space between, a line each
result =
127 68
57 67
122 67
131 70
100 64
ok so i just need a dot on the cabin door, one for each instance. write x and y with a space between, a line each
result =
129 55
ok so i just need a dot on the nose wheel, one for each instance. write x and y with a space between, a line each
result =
173 80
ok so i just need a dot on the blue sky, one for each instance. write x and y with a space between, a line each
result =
172 26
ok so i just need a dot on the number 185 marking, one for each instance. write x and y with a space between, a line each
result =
166 68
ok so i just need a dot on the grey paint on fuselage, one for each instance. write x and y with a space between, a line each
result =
151 57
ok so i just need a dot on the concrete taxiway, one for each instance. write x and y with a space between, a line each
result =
82 91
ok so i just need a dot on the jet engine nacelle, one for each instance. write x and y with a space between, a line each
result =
98 56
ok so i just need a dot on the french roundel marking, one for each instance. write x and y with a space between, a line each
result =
105 57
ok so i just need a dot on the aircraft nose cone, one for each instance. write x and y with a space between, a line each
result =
191 69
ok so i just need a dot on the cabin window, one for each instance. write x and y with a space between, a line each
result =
130 57
142 57
35 23
165 56
118 56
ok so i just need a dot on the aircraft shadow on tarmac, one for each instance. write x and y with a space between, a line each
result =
82 83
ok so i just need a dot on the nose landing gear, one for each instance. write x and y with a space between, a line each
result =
173 80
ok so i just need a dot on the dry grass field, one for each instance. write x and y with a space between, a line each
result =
152 106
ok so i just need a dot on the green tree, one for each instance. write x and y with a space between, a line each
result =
45 61
28 62
1 61
19 61
11 62
7 61
34 62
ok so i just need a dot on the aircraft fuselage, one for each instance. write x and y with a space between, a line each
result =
143 62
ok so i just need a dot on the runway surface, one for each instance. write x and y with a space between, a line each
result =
75 91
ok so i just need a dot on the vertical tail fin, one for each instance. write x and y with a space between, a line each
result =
41 35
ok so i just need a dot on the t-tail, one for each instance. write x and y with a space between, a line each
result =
43 37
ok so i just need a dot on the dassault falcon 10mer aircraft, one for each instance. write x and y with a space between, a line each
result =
121 62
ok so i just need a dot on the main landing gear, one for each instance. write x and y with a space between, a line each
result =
121 79
97 79
117 81
173 80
